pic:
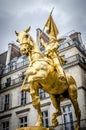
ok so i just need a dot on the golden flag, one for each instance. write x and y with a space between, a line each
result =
51 27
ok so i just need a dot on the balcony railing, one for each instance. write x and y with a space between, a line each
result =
14 66
22 64
73 59
75 42
12 82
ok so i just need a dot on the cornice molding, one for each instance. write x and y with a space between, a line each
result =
22 111
5 116
45 104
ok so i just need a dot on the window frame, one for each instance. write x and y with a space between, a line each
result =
6 102
42 94
24 123
45 118
6 127
66 112
23 97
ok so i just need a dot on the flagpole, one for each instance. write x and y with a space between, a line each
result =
49 16
45 24
51 11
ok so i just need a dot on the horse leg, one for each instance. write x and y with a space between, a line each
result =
36 102
56 104
73 96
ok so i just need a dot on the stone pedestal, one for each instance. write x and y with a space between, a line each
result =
34 128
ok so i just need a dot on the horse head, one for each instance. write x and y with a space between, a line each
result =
25 40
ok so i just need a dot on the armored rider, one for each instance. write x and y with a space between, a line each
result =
51 50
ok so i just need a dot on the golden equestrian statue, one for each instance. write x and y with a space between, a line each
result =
45 71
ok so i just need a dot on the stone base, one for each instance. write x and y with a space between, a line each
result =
34 128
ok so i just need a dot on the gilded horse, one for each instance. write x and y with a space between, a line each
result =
41 73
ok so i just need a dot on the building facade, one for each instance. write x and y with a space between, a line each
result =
16 108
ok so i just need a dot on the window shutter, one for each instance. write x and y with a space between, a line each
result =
19 97
10 100
2 102
27 97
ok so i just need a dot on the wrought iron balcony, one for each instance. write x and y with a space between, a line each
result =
75 59
14 66
12 82
70 61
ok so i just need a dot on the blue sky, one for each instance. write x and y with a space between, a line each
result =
19 14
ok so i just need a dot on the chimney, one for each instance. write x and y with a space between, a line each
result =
9 53
77 36
43 35
80 38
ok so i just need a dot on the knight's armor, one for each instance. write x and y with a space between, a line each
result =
51 51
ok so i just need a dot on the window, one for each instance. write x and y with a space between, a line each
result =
8 82
63 45
21 76
5 125
26 61
45 118
23 121
67 118
23 97
6 103
20 62
14 66
42 94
